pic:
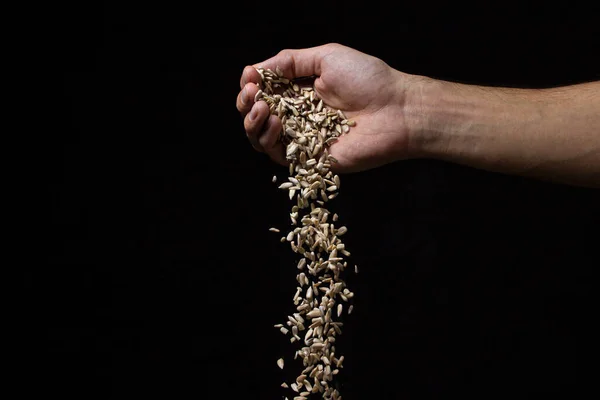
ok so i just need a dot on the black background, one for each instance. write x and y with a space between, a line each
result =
163 281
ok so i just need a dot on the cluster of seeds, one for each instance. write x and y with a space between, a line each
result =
309 128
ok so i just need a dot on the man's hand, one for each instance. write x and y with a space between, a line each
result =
365 88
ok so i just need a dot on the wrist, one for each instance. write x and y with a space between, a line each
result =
428 116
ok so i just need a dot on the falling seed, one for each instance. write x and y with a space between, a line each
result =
317 346
302 263
310 127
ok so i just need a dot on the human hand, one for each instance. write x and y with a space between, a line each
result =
364 87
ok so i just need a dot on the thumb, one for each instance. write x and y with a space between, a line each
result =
298 63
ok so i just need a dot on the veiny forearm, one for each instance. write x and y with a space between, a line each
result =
551 134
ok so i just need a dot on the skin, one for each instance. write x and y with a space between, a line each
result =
550 134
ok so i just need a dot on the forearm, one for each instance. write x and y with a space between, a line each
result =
550 134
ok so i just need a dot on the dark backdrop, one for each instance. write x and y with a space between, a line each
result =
163 281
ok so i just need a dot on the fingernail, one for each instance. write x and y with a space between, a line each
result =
252 115
243 96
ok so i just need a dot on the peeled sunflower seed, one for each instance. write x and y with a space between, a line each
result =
310 127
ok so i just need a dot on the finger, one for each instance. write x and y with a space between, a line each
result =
249 74
339 150
269 140
254 122
245 99
297 63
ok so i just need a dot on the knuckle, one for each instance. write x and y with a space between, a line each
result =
249 126
333 45
264 142
238 104
285 53
286 56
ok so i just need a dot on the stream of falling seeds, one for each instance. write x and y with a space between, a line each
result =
309 128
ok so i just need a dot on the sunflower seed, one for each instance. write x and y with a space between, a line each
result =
291 149
342 230
310 127
258 95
